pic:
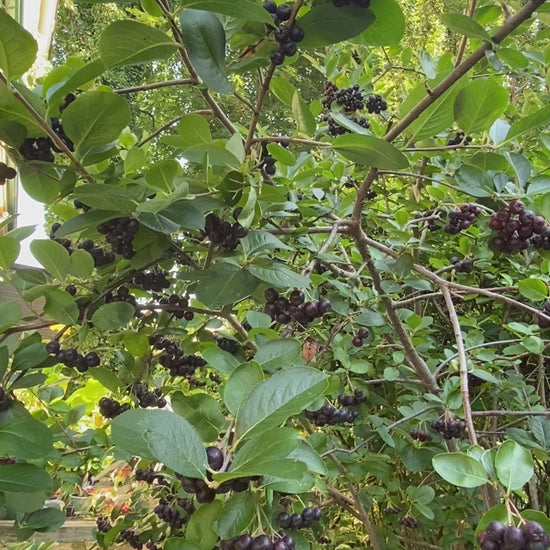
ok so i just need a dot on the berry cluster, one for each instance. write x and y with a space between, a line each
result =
71 358
352 400
449 429
222 232
357 340
261 542
375 104
5 400
103 524
530 536
351 99
226 344
420 435
268 164
120 233
171 516
299 521
542 322
284 310
67 100
148 476
37 149
129 536
335 129
391 511
122 295
462 218
109 408
459 139
173 358
6 173
57 127
287 37
462 266
100 256
147 398
357 3
179 304
330 415
78 204
155 281
409 523
515 226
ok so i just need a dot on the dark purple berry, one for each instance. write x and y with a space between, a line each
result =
215 458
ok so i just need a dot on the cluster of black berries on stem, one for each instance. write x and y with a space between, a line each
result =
420 435
459 139
147 398
299 520
70 357
351 99
103 524
122 295
462 266
358 339
155 281
462 218
226 344
375 104
120 233
37 149
173 358
222 232
449 429
110 408
516 228
356 398
261 542
530 536
295 308
330 415
287 37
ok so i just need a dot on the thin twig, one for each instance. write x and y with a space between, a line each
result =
170 123
156 85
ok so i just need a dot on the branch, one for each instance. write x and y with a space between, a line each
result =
464 41
510 413
156 85
58 142
463 362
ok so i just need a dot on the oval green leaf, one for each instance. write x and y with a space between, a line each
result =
514 465
370 151
460 469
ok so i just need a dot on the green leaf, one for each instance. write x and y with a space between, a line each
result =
278 353
163 173
95 119
540 427
137 343
219 359
389 26
158 222
24 478
240 384
109 197
277 275
9 250
187 457
370 151
533 289
538 118
460 469
305 121
82 264
18 48
279 153
465 25
128 432
61 307
283 90
224 284
200 529
326 24
248 10
474 181
107 378
52 256
194 129
202 411
216 153
479 104
236 515
48 520
113 316
24 437
133 43
286 393
10 313
29 356
40 181
514 465
310 457
204 39
261 241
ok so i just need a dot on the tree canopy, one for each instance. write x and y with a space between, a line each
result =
296 285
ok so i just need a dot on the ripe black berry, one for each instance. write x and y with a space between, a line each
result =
357 341
92 359
296 33
262 542
215 458
53 347
290 48
283 12
270 6
277 57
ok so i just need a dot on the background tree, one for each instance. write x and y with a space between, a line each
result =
307 307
